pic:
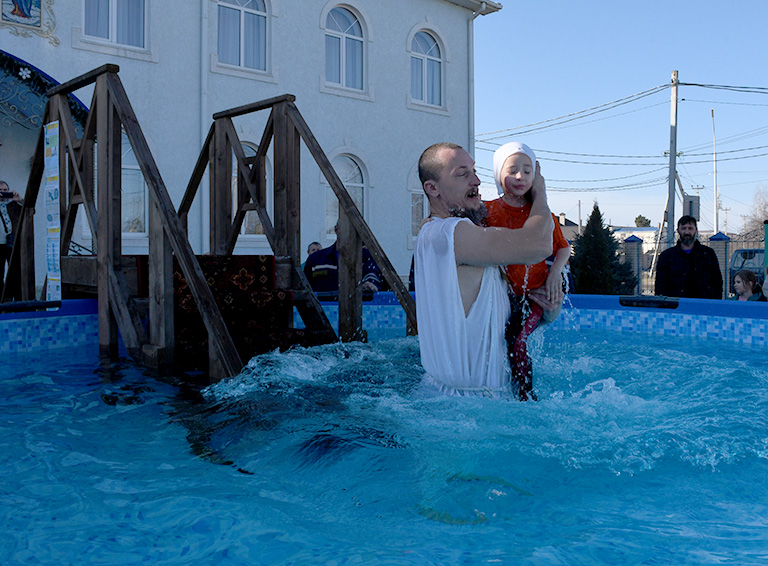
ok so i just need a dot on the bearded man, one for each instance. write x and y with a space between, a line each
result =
462 305
689 269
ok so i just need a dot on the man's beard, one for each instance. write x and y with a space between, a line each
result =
477 215
687 240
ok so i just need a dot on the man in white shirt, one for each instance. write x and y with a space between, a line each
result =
461 298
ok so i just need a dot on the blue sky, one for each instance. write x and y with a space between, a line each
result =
536 61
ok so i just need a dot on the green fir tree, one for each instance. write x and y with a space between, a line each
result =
595 263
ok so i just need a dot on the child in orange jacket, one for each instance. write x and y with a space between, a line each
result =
514 168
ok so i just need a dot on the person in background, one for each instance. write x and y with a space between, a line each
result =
312 248
322 270
689 269
746 287
10 212
514 164
462 306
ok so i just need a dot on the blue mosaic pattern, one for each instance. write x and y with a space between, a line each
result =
78 325
751 331
739 329
49 332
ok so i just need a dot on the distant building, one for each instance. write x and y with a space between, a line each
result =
376 81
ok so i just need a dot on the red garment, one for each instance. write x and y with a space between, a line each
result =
503 215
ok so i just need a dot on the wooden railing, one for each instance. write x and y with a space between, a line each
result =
110 113
284 130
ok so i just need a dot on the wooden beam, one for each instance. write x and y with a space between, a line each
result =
220 167
254 107
350 266
219 339
78 188
108 227
160 351
23 253
347 205
81 81
287 209
195 179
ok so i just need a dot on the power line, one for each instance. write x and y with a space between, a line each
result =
722 102
574 115
746 89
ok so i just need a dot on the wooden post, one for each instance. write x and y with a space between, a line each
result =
221 190
350 249
160 351
108 223
287 198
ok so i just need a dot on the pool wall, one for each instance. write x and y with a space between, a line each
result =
76 322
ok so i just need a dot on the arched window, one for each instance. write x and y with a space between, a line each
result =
243 33
252 225
426 70
419 204
343 49
133 193
351 174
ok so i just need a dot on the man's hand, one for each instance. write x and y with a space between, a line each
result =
551 308
539 187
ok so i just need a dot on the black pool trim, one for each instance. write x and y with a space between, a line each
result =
649 302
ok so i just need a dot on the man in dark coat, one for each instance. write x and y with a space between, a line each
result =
689 269
322 270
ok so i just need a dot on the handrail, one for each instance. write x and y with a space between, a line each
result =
83 80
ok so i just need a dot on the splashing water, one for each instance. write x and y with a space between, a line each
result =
640 450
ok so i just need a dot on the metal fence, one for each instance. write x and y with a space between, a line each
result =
733 254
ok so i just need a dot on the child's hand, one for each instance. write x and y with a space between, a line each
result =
554 286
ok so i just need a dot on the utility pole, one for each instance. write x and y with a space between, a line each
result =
714 160
579 218
672 161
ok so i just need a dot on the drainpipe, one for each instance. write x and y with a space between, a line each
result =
471 77
204 192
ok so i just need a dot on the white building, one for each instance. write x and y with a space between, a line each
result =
377 81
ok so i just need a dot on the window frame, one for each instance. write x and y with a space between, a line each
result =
111 39
144 235
364 92
424 105
328 235
241 67
415 189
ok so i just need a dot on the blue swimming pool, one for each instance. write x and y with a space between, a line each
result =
643 449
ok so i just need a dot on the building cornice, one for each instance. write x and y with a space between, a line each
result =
478 6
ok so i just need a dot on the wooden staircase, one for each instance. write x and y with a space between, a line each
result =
173 305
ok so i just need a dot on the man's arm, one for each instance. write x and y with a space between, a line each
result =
530 244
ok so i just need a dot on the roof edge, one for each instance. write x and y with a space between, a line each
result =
483 8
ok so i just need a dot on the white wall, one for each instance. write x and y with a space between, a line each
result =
175 86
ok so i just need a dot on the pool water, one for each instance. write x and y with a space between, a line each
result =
640 450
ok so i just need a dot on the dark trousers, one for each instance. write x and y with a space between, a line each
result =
523 321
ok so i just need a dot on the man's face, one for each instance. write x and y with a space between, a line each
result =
687 233
458 187
4 188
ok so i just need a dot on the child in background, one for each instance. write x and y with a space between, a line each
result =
514 168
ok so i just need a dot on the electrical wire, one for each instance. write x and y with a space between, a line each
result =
520 130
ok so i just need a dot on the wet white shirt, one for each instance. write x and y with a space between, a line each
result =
461 354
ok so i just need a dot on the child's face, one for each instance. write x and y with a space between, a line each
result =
517 173
739 286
